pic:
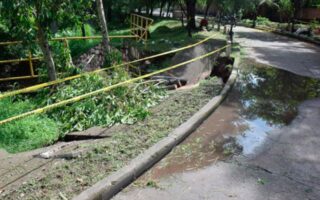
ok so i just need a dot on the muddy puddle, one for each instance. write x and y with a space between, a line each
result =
263 99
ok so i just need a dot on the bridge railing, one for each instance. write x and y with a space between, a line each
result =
140 26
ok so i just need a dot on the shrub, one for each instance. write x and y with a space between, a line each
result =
263 21
125 104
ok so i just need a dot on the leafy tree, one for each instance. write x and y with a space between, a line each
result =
32 19
191 15
254 5
285 9
206 4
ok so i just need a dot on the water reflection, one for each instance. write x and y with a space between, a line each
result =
273 95
263 99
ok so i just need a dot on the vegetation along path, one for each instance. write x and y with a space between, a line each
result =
261 143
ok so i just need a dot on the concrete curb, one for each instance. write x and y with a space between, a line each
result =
111 185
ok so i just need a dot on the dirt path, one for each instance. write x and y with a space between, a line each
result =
262 143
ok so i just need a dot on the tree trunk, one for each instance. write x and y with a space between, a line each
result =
292 26
254 22
207 10
298 4
47 55
219 21
297 7
191 14
231 33
103 25
183 13
147 10
151 10
168 8
161 8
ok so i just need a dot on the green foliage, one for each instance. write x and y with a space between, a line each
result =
125 104
285 8
34 14
263 21
113 58
314 24
28 133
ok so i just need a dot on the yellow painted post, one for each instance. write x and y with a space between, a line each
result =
31 64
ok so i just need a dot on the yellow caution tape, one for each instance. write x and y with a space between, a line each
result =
84 96
73 38
43 85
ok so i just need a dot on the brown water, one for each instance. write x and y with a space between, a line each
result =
263 99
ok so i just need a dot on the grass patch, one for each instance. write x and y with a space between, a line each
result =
168 34
28 133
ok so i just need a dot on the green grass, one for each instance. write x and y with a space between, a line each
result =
168 34
29 133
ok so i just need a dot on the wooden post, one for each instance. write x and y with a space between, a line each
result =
229 49
31 64
147 24
131 16
135 25
141 28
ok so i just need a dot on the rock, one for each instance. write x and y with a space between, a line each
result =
304 31
47 154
